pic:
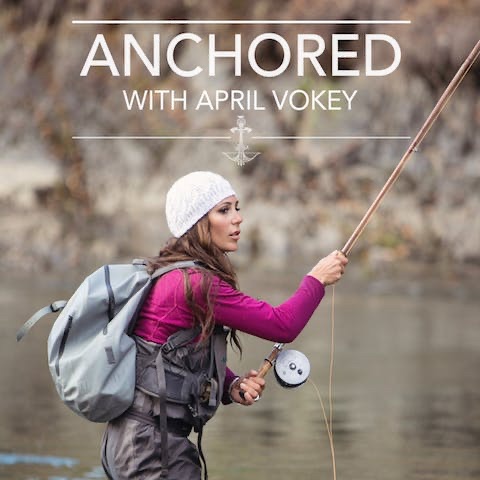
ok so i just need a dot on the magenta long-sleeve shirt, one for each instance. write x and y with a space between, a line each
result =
165 310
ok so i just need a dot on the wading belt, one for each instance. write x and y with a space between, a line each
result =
174 425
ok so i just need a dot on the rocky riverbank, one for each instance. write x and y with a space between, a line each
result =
66 202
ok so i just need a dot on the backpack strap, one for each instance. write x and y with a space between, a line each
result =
52 308
174 266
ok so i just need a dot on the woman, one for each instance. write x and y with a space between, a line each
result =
181 334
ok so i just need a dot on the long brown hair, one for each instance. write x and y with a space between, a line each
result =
196 244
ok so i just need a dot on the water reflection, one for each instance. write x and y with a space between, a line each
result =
16 458
406 393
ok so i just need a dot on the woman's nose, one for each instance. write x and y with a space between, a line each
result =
237 218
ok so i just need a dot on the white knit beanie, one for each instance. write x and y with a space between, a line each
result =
191 197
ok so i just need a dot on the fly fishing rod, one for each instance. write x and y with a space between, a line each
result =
291 361
449 91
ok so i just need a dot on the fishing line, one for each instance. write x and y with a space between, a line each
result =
329 420
332 353
329 432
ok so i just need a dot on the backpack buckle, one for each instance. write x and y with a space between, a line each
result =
57 306
139 261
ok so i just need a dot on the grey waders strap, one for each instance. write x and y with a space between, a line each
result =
180 339
200 453
162 395
177 340
212 401
215 362
52 308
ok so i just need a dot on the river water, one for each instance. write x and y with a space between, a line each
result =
406 389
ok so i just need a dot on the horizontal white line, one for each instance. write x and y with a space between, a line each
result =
144 137
241 22
364 137
198 137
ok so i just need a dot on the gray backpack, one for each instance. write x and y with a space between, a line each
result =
90 352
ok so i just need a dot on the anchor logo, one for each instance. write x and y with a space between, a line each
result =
241 155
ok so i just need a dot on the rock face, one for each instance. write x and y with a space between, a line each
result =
67 202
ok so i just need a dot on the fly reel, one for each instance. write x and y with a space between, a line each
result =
291 368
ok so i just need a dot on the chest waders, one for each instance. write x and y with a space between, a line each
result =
186 382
